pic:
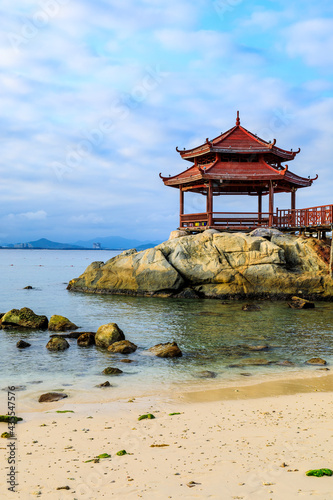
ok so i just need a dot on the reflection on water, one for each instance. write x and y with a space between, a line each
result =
213 335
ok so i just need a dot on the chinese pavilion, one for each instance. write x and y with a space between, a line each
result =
236 162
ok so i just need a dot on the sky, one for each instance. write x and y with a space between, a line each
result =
96 95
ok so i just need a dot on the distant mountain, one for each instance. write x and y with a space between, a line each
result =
117 243
109 243
47 244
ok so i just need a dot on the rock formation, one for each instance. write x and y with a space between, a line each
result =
24 318
108 334
216 265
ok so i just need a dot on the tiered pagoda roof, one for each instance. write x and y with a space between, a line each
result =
239 162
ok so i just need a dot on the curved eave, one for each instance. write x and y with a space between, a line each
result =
265 172
297 180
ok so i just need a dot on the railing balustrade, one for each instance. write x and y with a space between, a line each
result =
285 218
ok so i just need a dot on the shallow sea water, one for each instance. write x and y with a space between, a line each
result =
212 334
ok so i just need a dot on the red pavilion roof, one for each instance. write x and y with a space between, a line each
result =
238 140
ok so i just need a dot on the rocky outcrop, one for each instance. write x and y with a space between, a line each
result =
59 323
108 334
216 265
25 318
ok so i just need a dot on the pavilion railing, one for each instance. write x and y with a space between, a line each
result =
225 219
304 217
285 218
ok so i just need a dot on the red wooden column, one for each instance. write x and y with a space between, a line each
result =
181 205
259 206
271 204
293 206
210 204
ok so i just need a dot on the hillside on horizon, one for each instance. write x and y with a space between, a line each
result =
107 243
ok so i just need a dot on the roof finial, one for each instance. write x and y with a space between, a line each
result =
237 120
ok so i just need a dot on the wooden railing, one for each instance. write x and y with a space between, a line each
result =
286 218
304 217
226 220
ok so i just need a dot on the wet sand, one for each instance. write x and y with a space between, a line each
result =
253 441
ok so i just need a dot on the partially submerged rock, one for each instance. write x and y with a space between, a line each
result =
251 307
316 361
22 344
110 370
300 303
49 397
59 323
104 384
86 339
108 334
57 344
25 318
122 347
69 335
205 374
167 350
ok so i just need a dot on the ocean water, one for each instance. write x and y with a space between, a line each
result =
214 335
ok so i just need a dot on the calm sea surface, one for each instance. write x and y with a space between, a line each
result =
212 334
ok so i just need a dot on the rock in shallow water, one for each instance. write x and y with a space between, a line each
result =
25 318
104 384
49 397
205 374
57 344
168 350
122 347
300 303
108 334
59 323
316 361
22 344
110 370
86 339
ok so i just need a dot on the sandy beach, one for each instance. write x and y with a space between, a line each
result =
254 441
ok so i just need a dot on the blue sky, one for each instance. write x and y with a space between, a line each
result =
96 95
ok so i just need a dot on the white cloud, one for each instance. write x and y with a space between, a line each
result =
39 215
312 40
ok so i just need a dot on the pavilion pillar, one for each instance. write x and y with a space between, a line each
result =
293 199
293 206
259 206
181 205
210 204
271 204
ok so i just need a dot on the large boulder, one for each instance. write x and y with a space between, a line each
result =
167 350
25 318
216 265
137 273
59 323
108 334
57 344
123 347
